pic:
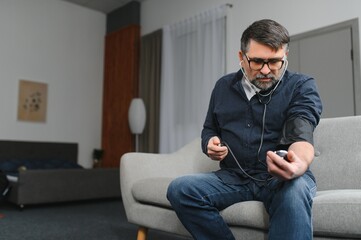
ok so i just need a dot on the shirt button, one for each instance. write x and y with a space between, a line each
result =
248 125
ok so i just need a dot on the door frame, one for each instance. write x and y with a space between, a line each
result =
353 25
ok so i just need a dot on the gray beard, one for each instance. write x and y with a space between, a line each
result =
262 85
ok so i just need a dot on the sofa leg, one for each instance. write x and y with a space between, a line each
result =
142 233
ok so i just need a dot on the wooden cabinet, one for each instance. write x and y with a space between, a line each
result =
121 62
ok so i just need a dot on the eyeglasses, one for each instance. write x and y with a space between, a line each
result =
257 64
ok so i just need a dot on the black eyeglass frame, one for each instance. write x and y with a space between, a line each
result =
255 60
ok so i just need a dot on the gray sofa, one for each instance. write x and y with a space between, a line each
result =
66 182
336 209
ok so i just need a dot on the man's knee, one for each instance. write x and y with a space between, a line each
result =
173 190
302 189
188 189
179 188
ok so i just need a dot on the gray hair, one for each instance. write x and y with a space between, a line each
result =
267 32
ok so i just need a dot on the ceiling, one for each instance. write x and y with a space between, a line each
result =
105 6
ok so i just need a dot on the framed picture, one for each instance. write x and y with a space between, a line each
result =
32 101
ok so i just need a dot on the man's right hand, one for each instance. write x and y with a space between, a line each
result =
214 149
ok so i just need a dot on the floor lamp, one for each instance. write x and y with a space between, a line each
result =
137 118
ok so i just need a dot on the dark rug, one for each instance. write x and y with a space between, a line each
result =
85 220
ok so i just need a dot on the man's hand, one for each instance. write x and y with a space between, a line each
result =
214 149
300 156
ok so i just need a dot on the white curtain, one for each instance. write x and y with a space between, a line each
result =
193 59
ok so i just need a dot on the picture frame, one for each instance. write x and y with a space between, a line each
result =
32 101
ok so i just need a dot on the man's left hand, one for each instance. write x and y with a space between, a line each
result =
284 169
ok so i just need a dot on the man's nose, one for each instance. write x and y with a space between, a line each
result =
265 69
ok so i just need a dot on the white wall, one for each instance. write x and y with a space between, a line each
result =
60 44
297 16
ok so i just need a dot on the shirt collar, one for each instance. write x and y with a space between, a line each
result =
248 89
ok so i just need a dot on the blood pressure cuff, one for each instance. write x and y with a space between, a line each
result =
296 130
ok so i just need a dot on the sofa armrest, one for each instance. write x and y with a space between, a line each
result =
138 166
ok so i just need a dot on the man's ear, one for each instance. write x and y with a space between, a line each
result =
240 56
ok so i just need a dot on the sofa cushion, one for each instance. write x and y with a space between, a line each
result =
337 152
152 191
247 214
337 213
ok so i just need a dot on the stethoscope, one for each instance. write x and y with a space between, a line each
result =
260 99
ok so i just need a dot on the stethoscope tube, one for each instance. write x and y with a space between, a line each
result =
260 96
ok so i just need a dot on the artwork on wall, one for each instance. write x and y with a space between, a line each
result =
32 101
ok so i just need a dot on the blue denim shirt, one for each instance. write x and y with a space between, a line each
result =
238 121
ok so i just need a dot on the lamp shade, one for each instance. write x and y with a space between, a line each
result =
136 116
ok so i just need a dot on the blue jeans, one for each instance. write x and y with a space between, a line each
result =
198 198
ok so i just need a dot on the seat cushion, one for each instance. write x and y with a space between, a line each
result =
152 191
246 214
250 214
337 213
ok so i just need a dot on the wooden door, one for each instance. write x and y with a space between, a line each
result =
121 63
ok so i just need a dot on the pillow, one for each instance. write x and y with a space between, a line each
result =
10 167
52 163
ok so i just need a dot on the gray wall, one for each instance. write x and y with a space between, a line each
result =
62 45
